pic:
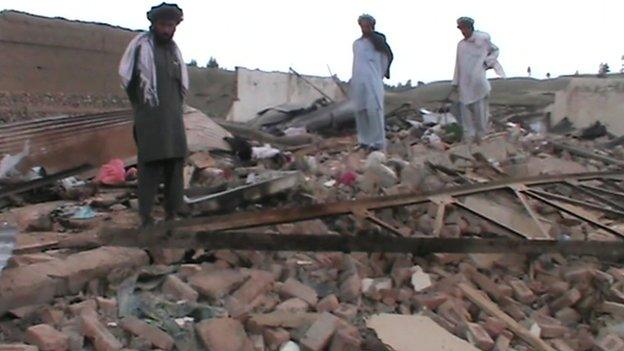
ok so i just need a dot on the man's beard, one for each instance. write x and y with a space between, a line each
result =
161 38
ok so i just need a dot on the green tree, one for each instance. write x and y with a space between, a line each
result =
212 63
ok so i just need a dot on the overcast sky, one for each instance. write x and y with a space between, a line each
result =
559 37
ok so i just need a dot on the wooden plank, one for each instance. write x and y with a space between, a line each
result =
492 309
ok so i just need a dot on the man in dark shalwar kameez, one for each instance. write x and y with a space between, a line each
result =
155 78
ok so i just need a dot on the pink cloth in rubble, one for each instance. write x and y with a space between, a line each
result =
112 173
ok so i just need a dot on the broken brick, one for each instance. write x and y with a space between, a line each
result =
550 327
153 335
568 316
328 304
345 341
479 337
52 316
431 300
216 284
503 341
275 338
179 290
561 345
568 299
47 338
108 307
346 311
494 326
293 305
350 288
294 288
320 333
223 334
522 292
102 338
610 342
240 302
77 308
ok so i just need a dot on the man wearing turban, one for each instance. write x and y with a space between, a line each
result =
371 62
155 78
475 55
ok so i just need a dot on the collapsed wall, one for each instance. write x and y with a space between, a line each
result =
587 100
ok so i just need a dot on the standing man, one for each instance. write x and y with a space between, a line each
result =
155 78
475 55
372 57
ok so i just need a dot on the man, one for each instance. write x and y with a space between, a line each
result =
372 57
155 78
475 55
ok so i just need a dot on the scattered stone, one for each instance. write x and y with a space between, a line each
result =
320 333
179 290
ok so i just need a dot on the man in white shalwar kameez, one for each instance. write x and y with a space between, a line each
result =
475 55
371 62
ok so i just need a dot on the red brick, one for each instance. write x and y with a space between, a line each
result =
223 334
328 304
513 308
346 311
52 316
216 284
107 307
579 274
275 338
479 337
257 342
188 270
47 338
503 341
610 342
557 288
351 288
522 292
551 327
494 326
405 294
617 273
566 300
614 308
179 290
77 308
431 300
167 257
561 345
568 316
153 335
345 341
18 347
102 339
293 305
240 302
294 288
320 333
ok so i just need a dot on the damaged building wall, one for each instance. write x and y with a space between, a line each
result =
257 90
587 100
72 69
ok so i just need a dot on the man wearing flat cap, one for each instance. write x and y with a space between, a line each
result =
475 55
156 80
372 57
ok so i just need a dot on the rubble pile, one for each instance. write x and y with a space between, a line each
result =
63 290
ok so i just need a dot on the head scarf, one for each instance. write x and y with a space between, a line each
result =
465 20
167 12
366 17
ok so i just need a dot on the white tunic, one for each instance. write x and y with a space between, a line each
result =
474 56
367 92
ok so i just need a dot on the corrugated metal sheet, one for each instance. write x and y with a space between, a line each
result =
8 236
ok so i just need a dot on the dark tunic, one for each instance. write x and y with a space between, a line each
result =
159 131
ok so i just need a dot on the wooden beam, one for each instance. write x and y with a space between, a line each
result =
493 310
